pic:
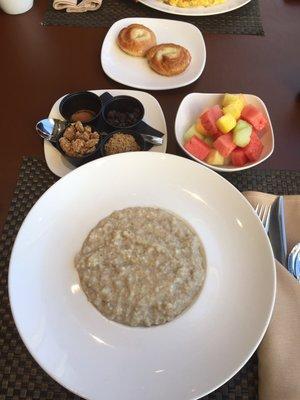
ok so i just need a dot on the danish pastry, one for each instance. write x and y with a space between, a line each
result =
168 59
136 40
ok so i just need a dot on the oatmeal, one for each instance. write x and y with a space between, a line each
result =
141 266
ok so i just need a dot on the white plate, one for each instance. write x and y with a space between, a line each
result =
229 5
135 71
154 116
181 360
195 103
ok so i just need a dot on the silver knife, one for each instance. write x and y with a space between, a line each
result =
277 233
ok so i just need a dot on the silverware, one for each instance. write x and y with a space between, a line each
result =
276 231
51 128
155 140
294 262
263 211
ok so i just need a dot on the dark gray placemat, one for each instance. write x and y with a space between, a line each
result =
243 21
20 376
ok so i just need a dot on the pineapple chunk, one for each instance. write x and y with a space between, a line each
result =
232 98
234 109
226 123
190 133
214 158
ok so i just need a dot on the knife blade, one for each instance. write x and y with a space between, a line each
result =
277 233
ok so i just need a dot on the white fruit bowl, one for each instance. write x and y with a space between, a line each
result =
194 103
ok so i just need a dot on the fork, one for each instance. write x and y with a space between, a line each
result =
264 211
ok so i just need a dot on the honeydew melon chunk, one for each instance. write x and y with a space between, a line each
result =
192 131
215 158
242 133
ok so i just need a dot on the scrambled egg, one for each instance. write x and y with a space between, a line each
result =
193 3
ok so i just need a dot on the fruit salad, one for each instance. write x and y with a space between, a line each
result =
227 134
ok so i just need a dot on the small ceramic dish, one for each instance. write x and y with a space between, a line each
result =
84 102
138 138
123 112
195 103
77 161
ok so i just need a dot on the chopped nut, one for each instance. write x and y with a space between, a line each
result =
94 135
78 145
79 126
83 135
90 150
92 142
69 133
79 140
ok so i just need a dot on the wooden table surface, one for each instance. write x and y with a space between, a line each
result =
39 64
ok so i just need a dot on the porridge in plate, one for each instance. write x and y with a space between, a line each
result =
141 266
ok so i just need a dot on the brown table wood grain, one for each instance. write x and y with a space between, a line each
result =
39 64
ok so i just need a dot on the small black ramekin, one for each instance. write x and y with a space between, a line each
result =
74 102
77 161
123 104
138 138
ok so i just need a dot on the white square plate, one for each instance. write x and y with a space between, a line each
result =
135 72
154 117
195 103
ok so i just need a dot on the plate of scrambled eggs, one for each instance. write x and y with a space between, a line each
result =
195 7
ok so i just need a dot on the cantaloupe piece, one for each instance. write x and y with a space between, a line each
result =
214 158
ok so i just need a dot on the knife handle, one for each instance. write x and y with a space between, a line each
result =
277 233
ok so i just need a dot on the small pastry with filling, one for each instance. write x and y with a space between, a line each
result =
136 40
168 59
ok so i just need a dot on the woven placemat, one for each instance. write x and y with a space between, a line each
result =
243 21
20 376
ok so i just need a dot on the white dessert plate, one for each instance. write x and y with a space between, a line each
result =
135 71
195 103
181 360
154 117
228 5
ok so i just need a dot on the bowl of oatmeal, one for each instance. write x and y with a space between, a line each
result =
90 323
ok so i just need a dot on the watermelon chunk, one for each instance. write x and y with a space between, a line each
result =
224 144
254 149
254 116
260 134
208 119
238 158
197 148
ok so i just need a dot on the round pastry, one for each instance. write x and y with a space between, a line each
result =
168 59
136 40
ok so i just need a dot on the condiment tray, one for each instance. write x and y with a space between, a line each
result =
153 116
